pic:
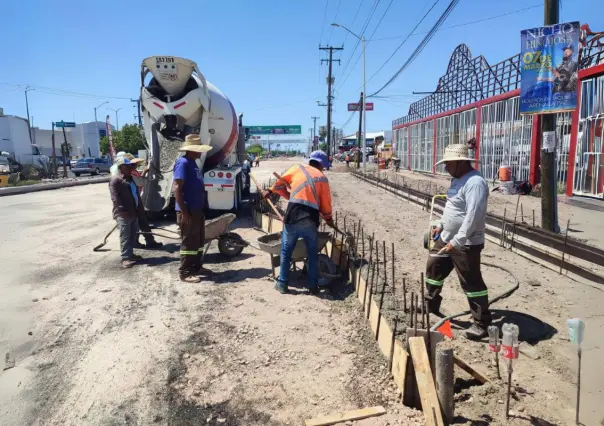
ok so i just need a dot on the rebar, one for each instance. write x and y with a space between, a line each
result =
405 295
423 301
411 314
565 244
393 281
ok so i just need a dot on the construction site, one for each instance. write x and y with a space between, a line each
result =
93 346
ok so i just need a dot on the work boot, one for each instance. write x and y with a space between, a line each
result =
281 288
433 306
139 245
204 271
192 279
314 290
135 257
152 244
476 332
127 263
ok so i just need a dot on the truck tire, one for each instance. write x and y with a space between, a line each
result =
231 244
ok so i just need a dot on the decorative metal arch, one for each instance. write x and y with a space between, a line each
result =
466 80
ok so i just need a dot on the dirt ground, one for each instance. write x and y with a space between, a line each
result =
93 344
544 388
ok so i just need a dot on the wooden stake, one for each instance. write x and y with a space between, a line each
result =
404 294
423 302
346 416
425 382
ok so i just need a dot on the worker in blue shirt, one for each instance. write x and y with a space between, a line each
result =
189 191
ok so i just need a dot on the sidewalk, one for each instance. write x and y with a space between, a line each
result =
585 214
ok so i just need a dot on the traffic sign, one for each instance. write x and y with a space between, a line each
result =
274 130
357 106
61 124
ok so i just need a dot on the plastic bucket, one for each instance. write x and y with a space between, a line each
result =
506 188
505 173
381 163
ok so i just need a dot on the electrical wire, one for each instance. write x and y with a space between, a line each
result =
353 21
334 20
324 18
419 48
465 23
63 92
367 42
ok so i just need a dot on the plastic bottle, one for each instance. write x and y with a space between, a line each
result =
576 329
510 341
493 338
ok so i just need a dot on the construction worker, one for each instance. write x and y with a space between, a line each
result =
459 239
189 191
127 205
307 189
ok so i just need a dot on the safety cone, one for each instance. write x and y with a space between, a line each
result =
445 329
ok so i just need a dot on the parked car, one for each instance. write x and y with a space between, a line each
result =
94 166
73 162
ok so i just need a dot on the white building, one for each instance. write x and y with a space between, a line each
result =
350 141
43 139
297 145
82 138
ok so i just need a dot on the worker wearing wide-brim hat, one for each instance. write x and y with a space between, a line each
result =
189 191
459 239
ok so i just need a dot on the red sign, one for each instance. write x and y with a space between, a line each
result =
357 106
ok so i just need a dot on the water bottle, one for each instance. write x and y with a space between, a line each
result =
576 328
493 338
510 341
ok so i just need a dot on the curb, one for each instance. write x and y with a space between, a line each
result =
48 186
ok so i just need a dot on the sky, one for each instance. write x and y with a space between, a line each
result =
263 54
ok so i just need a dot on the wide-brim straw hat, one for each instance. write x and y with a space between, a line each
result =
193 143
456 152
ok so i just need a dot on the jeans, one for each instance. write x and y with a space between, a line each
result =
128 235
308 232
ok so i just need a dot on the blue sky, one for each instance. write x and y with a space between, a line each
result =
262 54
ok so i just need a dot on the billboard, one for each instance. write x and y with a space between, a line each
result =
549 67
274 130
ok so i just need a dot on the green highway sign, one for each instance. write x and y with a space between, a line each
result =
61 124
274 130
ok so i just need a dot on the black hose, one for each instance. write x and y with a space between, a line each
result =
503 295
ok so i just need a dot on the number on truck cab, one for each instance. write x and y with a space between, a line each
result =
163 59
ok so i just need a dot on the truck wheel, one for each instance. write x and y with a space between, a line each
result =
231 244
237 196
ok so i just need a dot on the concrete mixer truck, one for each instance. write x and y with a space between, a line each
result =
177 100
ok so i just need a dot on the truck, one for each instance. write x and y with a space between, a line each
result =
15 142
177 100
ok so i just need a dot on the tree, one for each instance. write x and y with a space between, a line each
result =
323 147
323 132
129 139
255 149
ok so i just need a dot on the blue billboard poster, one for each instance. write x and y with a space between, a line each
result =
549 69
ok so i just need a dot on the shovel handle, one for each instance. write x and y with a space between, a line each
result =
270 203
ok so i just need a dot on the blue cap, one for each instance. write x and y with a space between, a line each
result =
568 47
320 157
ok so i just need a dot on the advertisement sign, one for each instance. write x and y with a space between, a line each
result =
357 106
110 138
549 66
275 130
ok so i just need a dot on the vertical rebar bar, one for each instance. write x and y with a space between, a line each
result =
411 325
393 282
521 213
416 304
394 327
404 294
533 218
565 245
423 302
363 246
377 263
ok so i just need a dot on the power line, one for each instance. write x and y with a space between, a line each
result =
370 37
324 18
63 92
465 23
288 104
419 48
365 25
334 20
353 21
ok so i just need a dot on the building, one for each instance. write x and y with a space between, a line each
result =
298 145
82 139
476 100
350 141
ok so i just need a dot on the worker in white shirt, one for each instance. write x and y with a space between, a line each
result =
460 238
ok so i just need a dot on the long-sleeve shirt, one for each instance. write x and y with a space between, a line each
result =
122 196
465 212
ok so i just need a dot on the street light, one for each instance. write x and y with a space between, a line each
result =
364 135
117 125
96 123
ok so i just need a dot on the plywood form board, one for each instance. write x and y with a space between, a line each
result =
435 338
399 365
373 315
425 382
385 337
361 290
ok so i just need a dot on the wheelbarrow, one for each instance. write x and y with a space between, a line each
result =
271 244
230 244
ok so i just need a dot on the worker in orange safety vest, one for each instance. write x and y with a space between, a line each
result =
307 189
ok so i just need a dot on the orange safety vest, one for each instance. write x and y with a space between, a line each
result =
307 186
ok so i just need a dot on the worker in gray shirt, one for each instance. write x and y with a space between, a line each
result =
459 239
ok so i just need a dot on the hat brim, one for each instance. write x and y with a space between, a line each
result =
444 160
137 160
318 161
195 148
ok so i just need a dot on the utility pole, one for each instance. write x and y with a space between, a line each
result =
314 132
54 153
549 190
27 89
117 123
138 112
360 133
330 81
